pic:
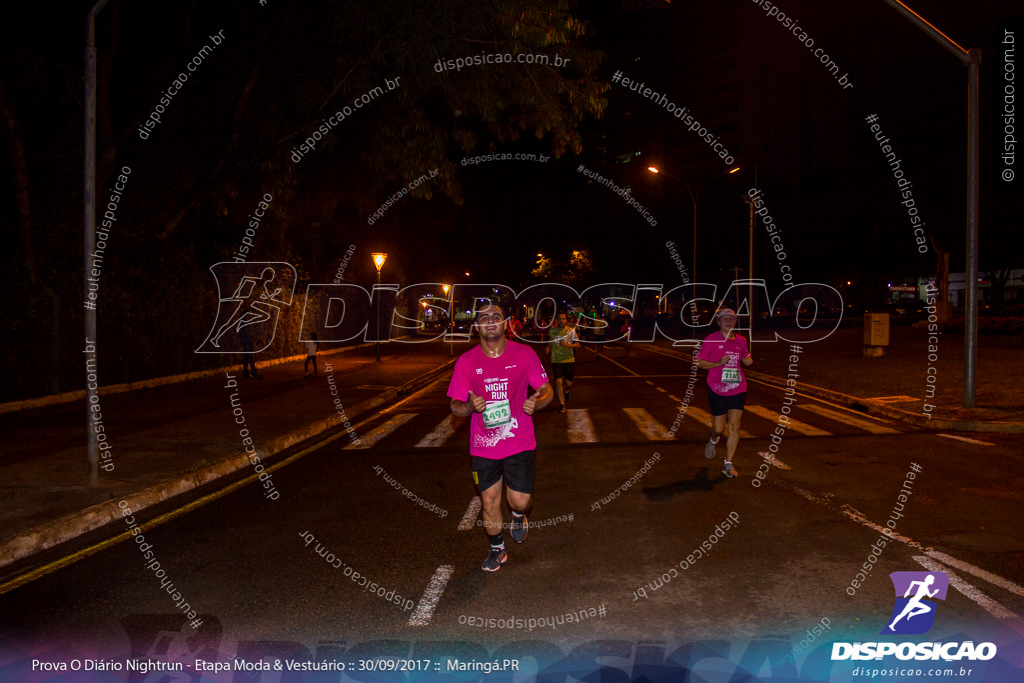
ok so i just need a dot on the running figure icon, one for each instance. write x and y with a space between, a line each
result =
915 607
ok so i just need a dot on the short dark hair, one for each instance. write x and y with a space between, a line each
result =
489 304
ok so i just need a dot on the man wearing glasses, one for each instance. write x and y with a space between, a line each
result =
492 382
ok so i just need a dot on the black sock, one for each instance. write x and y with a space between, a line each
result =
497 540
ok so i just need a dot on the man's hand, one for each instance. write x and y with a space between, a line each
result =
473 404
539 399
476 403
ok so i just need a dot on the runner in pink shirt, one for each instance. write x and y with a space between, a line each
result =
491 382
721 354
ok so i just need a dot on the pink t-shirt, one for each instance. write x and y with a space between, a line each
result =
712 349
503 429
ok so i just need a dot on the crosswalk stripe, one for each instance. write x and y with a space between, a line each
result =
795 425
848 419
651 428
472 513
441 433
704 417
380 432
581 428
771 460
431 596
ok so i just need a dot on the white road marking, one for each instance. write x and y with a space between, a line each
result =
677 400
424 611
980 573
379 432
774 461
994 579
872 427
651 428
441 433
966 440
472 514
581 428
794 424
991 606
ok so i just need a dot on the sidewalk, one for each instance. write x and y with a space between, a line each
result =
174 438
897 384
170 439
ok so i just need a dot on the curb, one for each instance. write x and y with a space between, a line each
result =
871 407
73 525
79 394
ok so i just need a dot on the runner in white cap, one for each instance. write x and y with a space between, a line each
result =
721 354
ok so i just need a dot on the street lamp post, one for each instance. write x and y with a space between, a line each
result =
451 312
971 59
694 197
378 261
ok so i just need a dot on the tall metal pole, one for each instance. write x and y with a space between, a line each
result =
971 326
693 273
971 58
89 223
378 313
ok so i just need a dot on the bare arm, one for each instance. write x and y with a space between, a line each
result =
474 404
539 400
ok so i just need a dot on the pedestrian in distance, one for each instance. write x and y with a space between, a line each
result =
721 354
563 361
600 329
311 348
491 383
248 362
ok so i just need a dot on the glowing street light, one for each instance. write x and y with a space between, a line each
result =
694 197
378 261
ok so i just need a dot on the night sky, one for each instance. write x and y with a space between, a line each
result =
283 68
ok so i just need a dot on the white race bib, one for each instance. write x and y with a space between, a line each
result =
496 414
731 375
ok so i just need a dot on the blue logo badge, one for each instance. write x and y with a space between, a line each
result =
916 593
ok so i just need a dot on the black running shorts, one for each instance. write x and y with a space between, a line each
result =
516 470
565 370
720 405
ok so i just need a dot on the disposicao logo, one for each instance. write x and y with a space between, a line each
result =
913 614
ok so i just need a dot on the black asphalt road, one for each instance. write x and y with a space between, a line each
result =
259 570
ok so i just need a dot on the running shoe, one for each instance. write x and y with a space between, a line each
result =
562 409
519 528
495 559
728 470
709 449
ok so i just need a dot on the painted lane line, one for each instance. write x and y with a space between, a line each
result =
794 424
380 432
677 400
472 513
441 433
634 374
977 571
424 611
991 606
994 579
581 428
858 516
774 461
651 428
965 439
872 427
